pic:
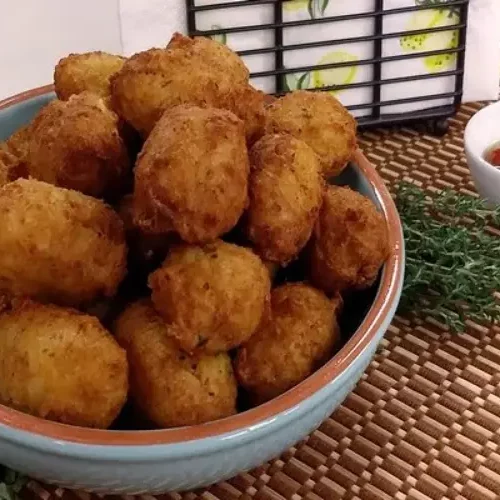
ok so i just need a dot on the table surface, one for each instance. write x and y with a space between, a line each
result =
424 421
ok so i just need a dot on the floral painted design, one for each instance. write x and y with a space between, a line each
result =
222 37
442 40
330 77
436 3
315 8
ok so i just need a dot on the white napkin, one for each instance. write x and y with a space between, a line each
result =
482 67
34 35
297 11
151 23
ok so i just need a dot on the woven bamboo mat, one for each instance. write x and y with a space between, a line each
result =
424 421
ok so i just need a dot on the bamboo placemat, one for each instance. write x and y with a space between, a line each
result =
424 421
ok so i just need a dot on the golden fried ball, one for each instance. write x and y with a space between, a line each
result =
76 144
90 71
321 121
215 55
11 167
13 153
249 105
350 242
192 174
58 245
18 142
298 335
197 71
286 192
211 296
158 79
61 365
170 387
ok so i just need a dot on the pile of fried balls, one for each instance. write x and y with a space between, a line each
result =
144 216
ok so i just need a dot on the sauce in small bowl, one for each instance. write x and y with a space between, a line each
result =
492 154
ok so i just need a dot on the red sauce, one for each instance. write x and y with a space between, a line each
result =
492 155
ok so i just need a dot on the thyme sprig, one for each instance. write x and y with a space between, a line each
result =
452 257
11 484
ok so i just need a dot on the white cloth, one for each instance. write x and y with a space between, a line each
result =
35 34
482 62
149 23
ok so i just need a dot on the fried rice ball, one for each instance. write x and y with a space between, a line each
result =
11 167
61 365
249 105
191 177
13 156
211 296
297 337
214 54
76 144
158 79
58 245
350 242
170 387
197 71
286 192
90 71
321 121
18 142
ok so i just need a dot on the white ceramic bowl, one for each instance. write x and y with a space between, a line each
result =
115 461
481 132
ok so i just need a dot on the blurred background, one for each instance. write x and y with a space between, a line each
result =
35 34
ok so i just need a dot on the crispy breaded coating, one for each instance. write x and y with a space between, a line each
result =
298 335
11 167
286 192
158 79
6 160
198 71
18 142
350 242
62 365
192 174
170 387
13 152
214 54
58 245
90 71
76 144
321 121
211 296
249 105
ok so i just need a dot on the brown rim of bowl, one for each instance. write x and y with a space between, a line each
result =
373 321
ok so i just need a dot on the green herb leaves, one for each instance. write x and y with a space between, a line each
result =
221 38
11 484
452 259
439 3
316 8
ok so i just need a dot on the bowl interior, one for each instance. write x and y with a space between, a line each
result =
363 313
21 113
483 130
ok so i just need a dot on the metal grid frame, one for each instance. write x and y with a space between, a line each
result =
435 115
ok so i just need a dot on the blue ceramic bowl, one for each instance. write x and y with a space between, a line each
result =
190 457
